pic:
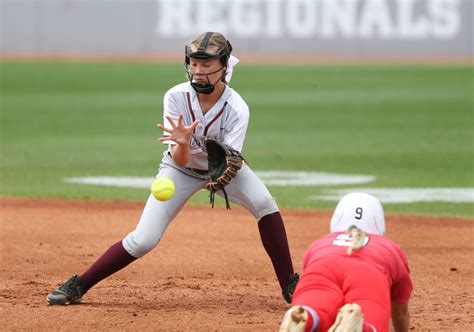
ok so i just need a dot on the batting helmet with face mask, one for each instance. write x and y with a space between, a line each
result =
207 46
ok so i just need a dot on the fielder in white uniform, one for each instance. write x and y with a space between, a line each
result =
204 107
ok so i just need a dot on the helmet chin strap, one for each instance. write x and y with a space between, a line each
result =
206 87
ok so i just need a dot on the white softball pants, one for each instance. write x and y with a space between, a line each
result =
246 190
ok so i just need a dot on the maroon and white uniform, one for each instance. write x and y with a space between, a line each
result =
209 66
226 121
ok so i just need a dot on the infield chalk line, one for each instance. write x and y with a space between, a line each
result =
271 178
406 195
289 178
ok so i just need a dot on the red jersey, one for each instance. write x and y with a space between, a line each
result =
378 251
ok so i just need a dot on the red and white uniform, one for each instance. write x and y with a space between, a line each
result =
372 277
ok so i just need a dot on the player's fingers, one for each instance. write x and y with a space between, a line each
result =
170 119
180 120
168 130
164 138
194 124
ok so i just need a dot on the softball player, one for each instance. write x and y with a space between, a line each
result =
206 106
360 272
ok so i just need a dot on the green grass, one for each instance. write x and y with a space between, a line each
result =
410 126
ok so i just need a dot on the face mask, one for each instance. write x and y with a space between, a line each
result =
204 87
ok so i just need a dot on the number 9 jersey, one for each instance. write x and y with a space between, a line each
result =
379 251
372 276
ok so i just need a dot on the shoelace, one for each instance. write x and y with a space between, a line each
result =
71 287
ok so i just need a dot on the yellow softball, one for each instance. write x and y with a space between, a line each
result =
162 188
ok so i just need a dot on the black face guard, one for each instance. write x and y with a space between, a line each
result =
205 87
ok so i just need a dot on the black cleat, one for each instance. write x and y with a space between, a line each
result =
290 287
69 292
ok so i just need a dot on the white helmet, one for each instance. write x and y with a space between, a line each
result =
361 210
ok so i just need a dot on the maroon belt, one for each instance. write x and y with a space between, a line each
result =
199 171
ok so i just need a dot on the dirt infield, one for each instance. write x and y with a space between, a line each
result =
248 58
209 273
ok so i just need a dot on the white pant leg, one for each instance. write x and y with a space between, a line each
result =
157 215
247 190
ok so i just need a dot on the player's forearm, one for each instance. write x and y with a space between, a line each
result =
180 154
401 324
400 317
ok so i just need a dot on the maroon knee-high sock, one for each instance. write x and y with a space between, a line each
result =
273 235
113 260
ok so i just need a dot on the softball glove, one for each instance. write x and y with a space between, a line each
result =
223 162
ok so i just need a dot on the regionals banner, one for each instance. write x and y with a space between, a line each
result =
309 19
327 27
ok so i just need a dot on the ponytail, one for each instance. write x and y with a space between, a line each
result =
358 236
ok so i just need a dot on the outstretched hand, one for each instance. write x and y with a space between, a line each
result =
179 133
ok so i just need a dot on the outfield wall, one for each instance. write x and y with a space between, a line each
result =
373 28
